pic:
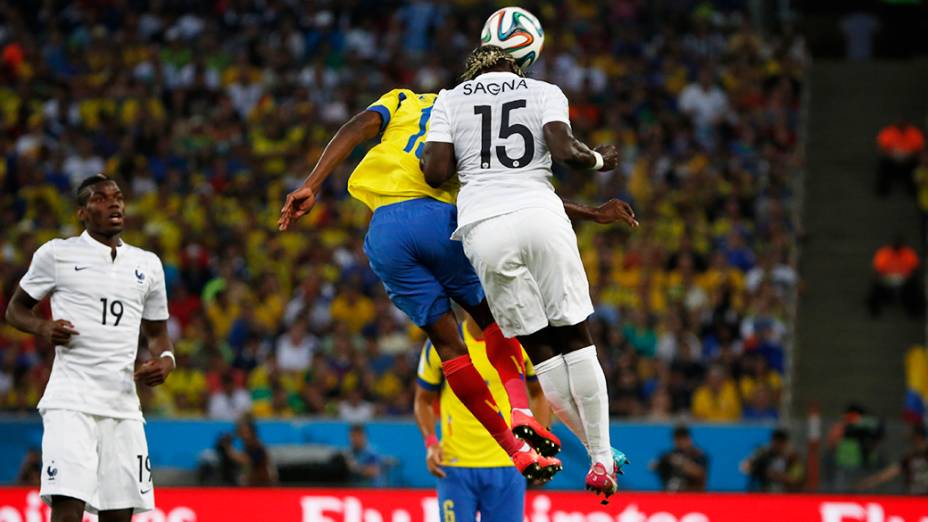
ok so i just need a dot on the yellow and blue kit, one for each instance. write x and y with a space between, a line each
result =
408 240
480 476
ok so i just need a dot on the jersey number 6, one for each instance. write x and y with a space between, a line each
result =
505 130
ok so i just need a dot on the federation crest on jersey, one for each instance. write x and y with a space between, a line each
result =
52 471
139 276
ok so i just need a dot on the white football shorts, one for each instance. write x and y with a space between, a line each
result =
100 460
530 269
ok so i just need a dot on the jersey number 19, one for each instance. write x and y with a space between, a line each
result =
116 310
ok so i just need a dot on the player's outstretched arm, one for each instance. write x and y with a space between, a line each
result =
567 149
155 371
363 126
21 315
609 212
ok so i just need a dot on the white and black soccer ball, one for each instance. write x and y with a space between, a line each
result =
516 31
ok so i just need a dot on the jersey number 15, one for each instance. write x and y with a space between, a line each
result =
506 130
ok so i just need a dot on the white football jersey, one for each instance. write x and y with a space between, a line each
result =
106 300
495 123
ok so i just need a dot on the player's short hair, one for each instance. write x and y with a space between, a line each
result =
681 431
485 58
83 192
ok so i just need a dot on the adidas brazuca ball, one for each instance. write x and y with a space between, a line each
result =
518 32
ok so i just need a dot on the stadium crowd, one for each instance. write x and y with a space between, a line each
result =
208 113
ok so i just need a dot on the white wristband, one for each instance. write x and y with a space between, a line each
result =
599 160
169 354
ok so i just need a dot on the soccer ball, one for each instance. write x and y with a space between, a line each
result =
518 32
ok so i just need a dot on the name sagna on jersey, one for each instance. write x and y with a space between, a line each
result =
494 88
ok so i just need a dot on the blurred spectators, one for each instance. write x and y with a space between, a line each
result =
230 401
30 470
225 470
916 384
295 348
209 112
365 465
912 467
717 399
920 176
245 462
896 276
852 447
683 468
776 468
354 408
760 386
859 30
901 145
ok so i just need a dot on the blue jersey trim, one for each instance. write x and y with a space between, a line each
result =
384 115
428 352
427 385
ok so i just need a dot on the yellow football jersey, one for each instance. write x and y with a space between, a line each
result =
464 441
389 172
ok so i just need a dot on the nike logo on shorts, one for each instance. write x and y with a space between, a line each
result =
79 268
144 491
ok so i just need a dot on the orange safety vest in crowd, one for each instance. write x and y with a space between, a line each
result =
906 139
891 262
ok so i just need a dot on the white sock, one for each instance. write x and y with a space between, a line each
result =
552 375
588 388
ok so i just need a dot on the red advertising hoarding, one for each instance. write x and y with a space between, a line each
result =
405 505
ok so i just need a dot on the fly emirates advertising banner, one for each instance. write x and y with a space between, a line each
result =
406 505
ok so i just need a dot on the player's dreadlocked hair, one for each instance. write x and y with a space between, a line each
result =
82 193
485 58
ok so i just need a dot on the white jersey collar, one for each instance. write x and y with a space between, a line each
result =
100 247
496 74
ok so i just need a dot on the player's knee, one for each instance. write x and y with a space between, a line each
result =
67 509
575 337
446 337
540 345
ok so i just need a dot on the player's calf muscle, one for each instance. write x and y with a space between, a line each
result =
444 335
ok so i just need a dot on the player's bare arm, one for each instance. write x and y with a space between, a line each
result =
362 127
426 420
438 163
21 315
612 211
567 149
156 370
